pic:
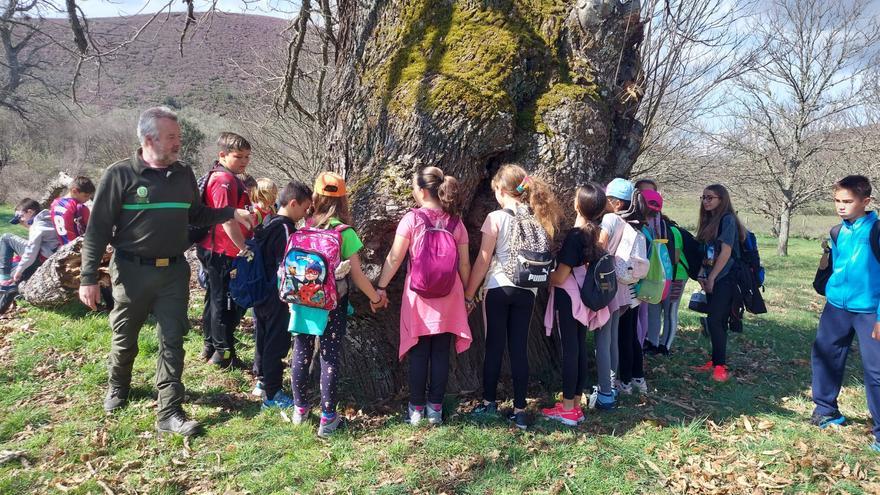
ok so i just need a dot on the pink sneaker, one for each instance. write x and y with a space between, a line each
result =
569 417
705 367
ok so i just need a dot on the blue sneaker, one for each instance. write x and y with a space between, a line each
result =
329 424
485 410
875 446
280 400
602 401
825 421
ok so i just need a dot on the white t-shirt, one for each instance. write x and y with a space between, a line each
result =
498 223
615 226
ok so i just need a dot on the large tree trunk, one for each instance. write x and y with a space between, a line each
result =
468 86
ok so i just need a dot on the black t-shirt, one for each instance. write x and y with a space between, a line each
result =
573 251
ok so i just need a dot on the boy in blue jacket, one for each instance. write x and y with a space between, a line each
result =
852 307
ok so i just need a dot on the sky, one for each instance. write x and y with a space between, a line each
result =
114 8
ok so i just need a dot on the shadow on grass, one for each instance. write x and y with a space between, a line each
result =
769 361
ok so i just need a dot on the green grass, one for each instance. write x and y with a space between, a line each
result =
688 436
6 213
810 223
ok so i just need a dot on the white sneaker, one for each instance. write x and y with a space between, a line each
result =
640 385
623 388
415 415
435 416
594 396
300 415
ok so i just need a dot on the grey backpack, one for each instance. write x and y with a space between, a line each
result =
529 260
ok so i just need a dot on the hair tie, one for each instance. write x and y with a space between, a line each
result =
526 182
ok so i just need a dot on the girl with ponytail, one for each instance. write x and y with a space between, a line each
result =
508 308
579 249
430 323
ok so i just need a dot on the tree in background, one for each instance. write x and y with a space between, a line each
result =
191 141
797 118
691 48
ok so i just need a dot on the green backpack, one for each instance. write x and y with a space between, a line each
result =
653 288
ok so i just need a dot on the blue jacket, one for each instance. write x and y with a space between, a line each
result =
855 283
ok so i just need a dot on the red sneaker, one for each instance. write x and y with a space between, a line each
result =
706 367
570 417
720 374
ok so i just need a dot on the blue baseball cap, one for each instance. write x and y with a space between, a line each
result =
620 189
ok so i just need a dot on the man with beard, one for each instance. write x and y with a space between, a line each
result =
142 208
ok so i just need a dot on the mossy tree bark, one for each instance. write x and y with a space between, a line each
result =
468 86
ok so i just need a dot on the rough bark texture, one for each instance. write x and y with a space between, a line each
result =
467 86
56 281
54 189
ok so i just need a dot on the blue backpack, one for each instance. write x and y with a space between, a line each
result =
248 283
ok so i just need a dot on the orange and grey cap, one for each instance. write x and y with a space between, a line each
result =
330 184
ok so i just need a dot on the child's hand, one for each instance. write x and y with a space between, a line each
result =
709 284
380 304
469 305
876 333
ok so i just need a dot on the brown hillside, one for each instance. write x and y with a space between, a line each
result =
151 70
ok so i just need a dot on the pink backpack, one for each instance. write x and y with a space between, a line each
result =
433 261
306 276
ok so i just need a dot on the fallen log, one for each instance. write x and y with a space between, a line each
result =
56 281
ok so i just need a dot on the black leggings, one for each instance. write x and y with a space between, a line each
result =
720 305
429 356
331 350
573 336
631 358
508 314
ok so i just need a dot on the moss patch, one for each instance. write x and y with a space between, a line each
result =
468 59
556 95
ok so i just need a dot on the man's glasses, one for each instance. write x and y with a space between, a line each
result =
708 198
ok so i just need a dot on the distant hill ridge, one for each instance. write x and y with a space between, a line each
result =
151 70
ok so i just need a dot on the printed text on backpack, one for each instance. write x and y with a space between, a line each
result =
528 260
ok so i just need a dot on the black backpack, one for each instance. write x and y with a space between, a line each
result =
750 275
820 281
600 284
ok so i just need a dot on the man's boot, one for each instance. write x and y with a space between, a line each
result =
117 398
178 423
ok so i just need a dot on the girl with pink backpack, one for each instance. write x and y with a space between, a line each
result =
309 319
432 309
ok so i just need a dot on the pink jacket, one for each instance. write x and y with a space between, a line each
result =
591 319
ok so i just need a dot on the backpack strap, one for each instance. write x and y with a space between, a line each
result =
875 240
835 232
874 237
450 226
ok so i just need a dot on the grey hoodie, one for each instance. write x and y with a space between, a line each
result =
42 240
